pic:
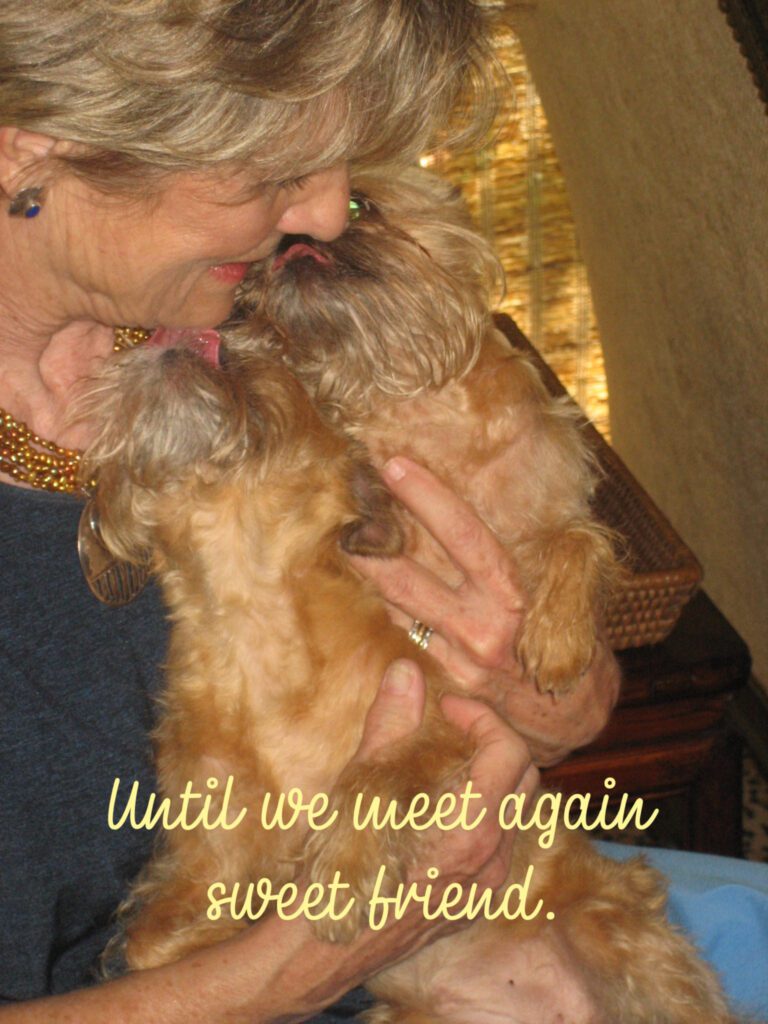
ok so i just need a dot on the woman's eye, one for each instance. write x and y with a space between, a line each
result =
290 184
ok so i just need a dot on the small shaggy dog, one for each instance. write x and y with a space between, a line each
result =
249 483
389 330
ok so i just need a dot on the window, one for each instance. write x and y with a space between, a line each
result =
517 194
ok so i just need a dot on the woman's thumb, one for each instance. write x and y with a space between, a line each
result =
397 710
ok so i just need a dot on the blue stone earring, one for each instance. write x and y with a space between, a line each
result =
26 203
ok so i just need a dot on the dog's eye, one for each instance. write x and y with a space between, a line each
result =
360 206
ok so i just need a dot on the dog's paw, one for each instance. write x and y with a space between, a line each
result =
372 846
166 920
365 862
146 943
556 656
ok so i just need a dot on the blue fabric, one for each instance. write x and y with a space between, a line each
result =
722 904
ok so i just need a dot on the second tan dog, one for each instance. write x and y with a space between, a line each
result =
389 330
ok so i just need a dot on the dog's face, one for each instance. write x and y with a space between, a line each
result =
397 303
179 438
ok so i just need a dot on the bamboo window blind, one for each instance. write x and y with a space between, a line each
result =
516 192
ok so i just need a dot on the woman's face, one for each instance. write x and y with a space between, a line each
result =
178 260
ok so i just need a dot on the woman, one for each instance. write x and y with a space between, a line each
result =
149 151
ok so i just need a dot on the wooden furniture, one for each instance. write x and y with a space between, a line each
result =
669 741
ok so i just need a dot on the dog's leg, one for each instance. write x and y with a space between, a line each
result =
571 569
165 935
612 917
642 968
431 762
165 916
492 973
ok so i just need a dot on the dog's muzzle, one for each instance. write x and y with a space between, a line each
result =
294 248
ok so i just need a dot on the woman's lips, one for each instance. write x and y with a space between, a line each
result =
229 273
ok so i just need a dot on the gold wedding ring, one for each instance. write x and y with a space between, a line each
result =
420 634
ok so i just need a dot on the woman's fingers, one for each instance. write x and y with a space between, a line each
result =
451 521
502 762
464 672
415 590
501 765
476 619
478 625
479 617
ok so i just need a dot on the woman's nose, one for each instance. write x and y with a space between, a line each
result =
321 208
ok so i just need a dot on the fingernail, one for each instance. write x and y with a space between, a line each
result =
399 678
394 469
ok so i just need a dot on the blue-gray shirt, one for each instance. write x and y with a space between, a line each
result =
76 692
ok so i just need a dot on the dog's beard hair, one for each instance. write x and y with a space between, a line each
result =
183 412
402 308
351 339
161 412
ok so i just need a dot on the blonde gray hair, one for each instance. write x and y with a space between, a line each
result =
289 86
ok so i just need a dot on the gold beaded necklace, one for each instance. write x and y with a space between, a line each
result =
129 337
30 459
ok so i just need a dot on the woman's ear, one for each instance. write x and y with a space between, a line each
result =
20 154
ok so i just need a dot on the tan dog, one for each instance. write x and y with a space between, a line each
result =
248 499
389 330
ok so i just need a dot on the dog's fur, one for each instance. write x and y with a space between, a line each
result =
243 495
249 497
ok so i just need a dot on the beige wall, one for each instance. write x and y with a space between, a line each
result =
664 145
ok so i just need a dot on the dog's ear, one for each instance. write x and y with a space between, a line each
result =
164 417
376 532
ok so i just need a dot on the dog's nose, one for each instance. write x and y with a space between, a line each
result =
321 208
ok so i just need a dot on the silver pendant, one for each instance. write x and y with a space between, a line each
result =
113 582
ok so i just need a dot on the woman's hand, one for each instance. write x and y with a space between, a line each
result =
550 986
475 624
501 765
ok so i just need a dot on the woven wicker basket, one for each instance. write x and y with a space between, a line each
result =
662 573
